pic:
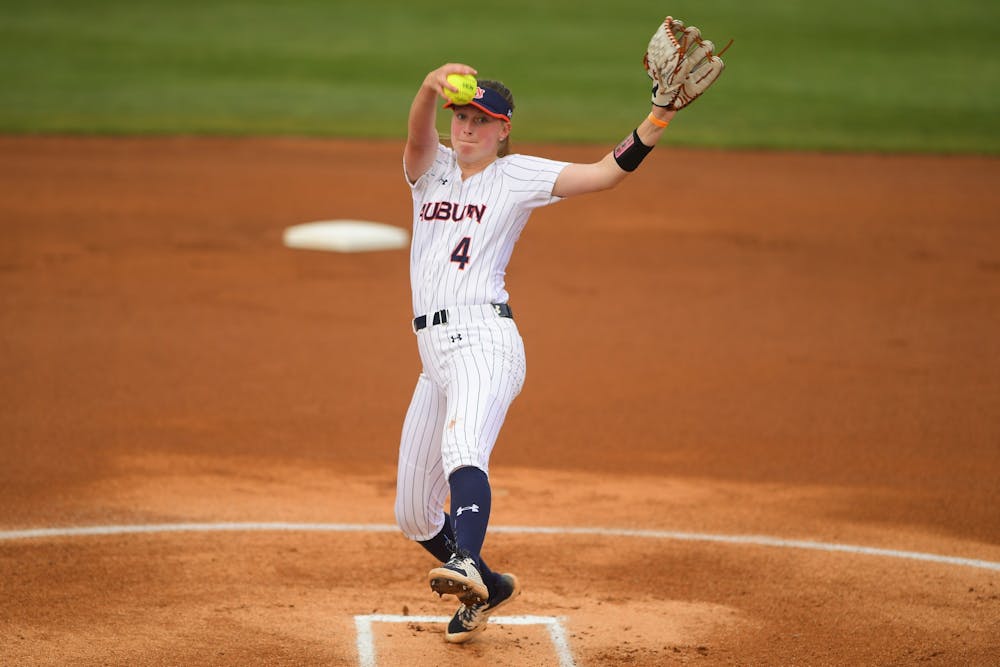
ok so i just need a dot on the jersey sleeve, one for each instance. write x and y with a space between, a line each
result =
441 164
532 179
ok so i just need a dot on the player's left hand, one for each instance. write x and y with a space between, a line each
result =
681 64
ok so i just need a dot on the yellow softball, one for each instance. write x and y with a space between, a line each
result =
466 84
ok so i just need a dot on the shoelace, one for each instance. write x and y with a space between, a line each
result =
459 563
469 615
456 551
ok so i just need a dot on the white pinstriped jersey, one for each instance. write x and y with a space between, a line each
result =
464 232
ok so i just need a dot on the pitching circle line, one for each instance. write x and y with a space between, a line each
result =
748 540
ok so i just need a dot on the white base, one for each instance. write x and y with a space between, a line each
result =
346 236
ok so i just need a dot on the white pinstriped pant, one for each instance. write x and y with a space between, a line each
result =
473 368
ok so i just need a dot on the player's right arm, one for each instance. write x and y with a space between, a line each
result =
422 136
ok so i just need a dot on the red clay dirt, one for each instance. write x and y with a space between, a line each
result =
789 346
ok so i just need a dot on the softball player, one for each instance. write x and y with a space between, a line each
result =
470 203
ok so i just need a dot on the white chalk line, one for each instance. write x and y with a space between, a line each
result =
746 540
366 638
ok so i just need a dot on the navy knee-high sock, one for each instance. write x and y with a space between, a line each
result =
442 546
470 508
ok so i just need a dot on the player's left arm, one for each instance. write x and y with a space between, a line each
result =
682 65
578 179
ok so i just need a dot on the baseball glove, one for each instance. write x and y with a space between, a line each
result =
681 64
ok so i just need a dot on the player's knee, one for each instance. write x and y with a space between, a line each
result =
403 519
414 522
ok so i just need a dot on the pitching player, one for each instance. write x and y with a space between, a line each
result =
470 203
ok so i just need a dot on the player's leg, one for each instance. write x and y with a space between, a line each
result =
483 381
421 485
471 502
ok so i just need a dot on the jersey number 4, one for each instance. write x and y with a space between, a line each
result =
461 253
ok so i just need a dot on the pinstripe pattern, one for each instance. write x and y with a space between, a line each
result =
457 410
473 366
421 485
492 208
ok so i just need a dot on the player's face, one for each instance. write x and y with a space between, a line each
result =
476 135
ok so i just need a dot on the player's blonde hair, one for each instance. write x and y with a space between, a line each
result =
504 92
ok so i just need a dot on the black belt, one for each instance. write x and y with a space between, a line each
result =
441 316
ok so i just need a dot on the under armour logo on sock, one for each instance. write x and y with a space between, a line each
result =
471 508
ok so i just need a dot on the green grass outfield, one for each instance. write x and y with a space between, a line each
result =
879 75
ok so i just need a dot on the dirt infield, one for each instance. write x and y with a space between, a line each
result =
761 423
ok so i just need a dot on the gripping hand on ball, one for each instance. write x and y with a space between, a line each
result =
465 88
451 80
